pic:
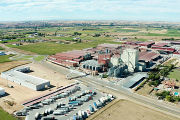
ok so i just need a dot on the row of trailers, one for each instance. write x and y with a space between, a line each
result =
76 100
47 101
101 102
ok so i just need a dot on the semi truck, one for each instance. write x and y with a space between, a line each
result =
90 108
59 112
37 115
74 117
75 103
20 113
64 108
95 105
80 114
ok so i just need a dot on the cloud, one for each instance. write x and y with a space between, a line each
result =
131 6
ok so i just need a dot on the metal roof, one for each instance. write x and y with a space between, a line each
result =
135 79
146 43
148 56
1 88
160 44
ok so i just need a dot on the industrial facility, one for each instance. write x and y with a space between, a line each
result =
19 76
116 60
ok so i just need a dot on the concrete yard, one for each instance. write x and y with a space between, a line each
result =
84 106
20 93
127 110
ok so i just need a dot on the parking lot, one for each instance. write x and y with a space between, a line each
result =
69 115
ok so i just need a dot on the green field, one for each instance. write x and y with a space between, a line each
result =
39 58
10 45
28 56
169 33
174 74
51 48
5 58
5 116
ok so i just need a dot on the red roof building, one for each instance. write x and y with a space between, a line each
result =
164 49
147 44
160 44
147 57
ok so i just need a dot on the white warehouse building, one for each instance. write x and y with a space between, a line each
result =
2 91
20 77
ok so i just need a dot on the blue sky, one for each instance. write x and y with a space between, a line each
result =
146 10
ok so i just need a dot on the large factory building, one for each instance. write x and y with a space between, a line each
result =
20 77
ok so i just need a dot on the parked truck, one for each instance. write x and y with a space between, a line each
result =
49 110
45 102
75 103
60 96
20 113
74 117
59 112
95 105
80 114
37 115
91 108
46 112
67 109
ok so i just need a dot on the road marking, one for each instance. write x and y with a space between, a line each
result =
96 82
111 88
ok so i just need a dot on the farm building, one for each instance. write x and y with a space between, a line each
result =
2 53
164 49
105 45
171 43
160 44
2 91
20 77
146 44
75 56
148 57
132 42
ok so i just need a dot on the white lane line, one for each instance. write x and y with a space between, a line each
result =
111 88
91 83
96 82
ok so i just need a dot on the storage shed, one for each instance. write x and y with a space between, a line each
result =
2 91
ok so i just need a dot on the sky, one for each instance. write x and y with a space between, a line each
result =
136 10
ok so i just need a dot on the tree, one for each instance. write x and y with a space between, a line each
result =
152 77
157 77
169 98
177 98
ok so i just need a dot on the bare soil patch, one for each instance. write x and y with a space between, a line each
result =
127 110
